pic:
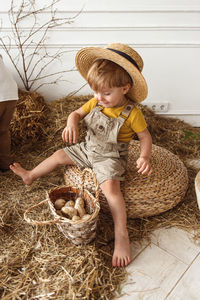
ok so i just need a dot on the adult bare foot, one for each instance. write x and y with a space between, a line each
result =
122 252
21 172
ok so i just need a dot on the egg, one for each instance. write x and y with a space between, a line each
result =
69 211
59 203
70 203
79 205
79 201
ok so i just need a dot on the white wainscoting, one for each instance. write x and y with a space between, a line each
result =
165 32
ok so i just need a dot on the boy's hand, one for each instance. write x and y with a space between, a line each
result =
70 134
144 166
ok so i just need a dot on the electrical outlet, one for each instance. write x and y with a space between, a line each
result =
158 106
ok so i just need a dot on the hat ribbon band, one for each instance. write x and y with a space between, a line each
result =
130 59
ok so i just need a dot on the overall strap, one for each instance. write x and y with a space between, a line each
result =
126 112
100 107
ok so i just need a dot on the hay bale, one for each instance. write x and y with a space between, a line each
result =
30 120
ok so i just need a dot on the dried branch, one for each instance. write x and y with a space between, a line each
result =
33 58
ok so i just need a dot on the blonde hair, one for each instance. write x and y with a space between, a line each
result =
106 74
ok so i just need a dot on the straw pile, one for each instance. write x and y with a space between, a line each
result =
39 262
30 120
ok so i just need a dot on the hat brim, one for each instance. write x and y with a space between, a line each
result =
86 57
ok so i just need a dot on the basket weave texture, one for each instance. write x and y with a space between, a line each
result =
145 195
80 231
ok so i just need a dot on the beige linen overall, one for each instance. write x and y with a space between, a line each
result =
101 151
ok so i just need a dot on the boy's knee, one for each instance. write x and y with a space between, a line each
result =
62 158
59 155
110 186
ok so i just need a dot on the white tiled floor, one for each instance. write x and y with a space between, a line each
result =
167 268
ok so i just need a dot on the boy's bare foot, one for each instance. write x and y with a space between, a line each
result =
122 252
21 172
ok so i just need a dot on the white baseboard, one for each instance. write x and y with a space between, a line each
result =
193 120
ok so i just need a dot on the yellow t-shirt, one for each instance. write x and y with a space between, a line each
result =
134 124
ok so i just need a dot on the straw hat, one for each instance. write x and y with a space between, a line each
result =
122 55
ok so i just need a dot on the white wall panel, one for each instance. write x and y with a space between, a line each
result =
98 36
165 32
126 19
117 5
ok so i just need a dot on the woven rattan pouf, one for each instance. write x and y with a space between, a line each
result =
145 195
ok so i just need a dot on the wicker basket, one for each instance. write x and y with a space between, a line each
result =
145 195
78 232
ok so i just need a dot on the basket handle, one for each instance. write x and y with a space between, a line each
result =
35 222
95 181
